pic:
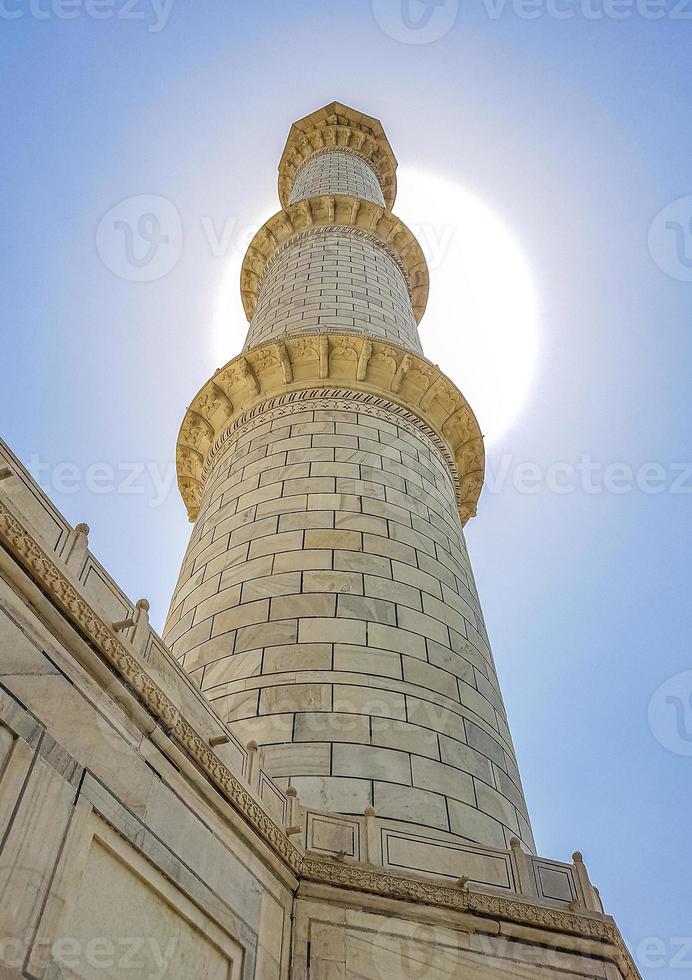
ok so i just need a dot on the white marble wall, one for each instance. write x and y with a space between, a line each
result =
379 943
141 838
326 604
334 279
336 172
327 607
113 863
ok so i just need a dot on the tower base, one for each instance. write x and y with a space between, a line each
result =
346 934
141 839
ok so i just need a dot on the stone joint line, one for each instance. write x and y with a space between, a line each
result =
19 542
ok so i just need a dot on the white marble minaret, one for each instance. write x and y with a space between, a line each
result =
368 822
326 603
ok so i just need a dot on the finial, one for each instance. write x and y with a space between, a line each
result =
142 632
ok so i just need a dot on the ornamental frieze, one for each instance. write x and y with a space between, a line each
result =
365 366
335 212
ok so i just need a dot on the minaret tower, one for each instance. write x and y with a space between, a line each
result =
326 604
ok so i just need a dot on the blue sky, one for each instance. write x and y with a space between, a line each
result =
575 131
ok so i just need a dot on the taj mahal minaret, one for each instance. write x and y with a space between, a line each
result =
326 604
311 775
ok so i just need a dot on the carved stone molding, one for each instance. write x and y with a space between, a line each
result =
48 576
361 368
21 544
326 399
338 127
328 212
382 882
365 878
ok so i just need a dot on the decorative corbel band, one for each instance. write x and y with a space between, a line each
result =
340 129
328 211
360 367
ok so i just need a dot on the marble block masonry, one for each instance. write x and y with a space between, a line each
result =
326 604
311 775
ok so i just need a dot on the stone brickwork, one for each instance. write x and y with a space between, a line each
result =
325 609
136 825
336 128
327 606
336 279
375 943
336 172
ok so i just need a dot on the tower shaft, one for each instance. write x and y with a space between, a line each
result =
326 603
